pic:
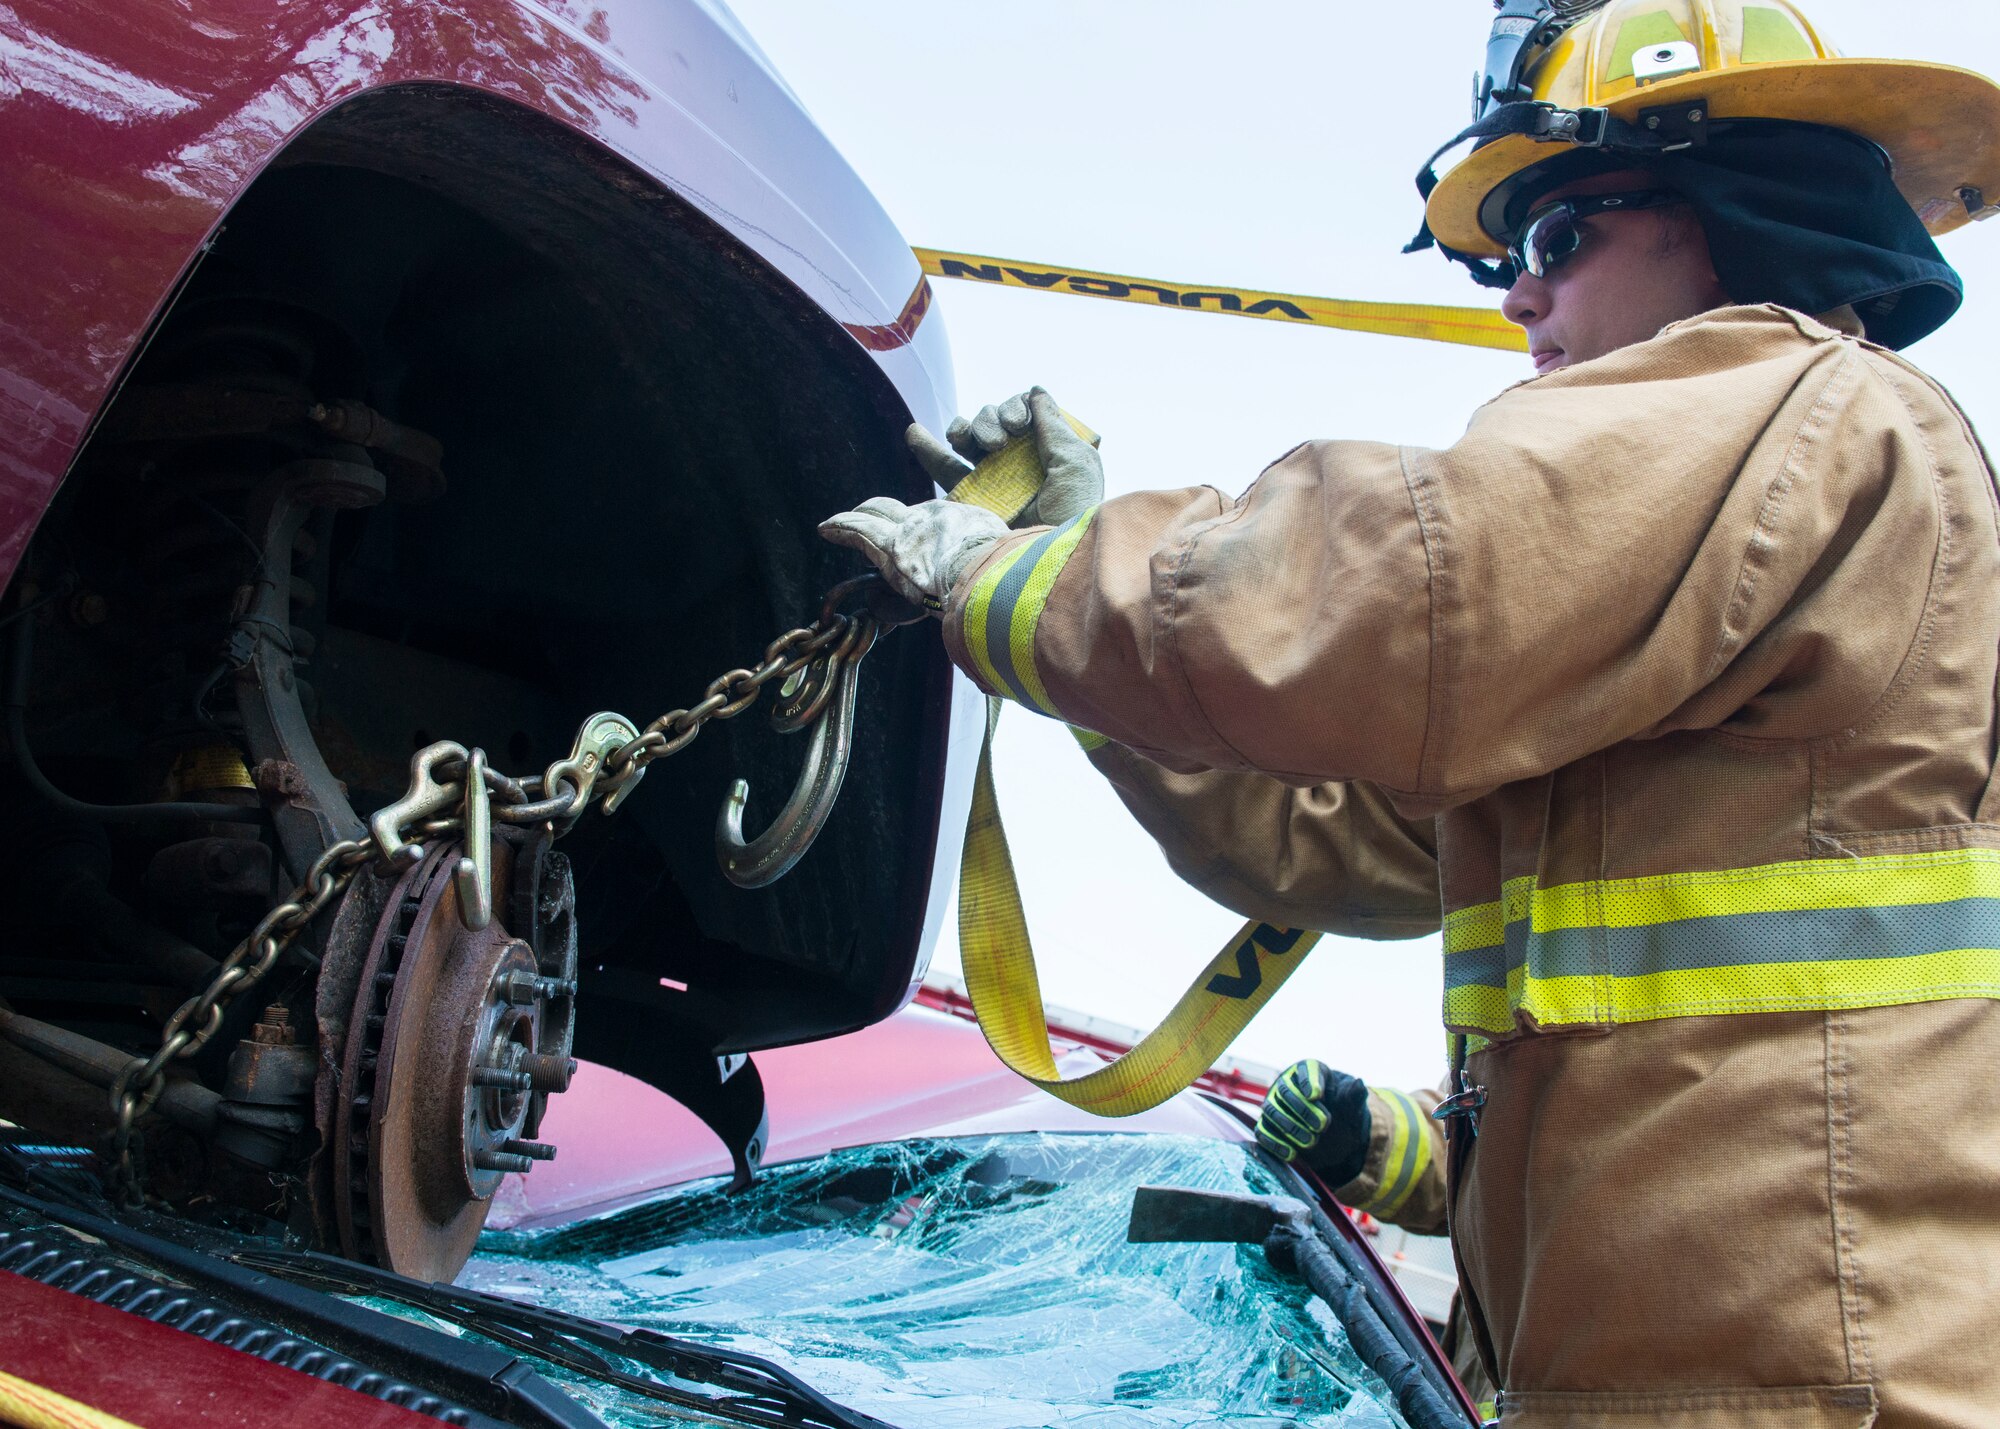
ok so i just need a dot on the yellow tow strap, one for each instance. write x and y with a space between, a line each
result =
999 960
1468 327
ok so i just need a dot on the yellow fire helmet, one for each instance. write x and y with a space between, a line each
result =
1635 79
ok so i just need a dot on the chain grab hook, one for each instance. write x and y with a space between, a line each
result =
819 695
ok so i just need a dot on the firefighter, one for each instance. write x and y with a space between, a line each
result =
1378 1150
1667 693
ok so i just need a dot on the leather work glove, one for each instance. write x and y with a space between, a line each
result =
1072 470
1317 1116
920 550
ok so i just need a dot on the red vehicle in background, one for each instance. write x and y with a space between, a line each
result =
383 388
933 1241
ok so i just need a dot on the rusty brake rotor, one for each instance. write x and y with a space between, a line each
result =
456 1039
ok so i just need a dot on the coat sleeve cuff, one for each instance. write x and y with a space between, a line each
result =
993 611
1399 1155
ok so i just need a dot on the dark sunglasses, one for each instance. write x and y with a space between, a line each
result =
1551 235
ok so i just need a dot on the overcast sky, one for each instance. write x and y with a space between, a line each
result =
1256 145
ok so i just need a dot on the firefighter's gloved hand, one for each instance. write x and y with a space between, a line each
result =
1317 1116
920 550
1073 473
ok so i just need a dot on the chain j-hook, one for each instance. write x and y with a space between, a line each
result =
770 856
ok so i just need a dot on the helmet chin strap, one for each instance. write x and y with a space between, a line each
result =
1583 128
1522 33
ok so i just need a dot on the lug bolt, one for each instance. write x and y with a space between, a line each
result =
522 988
550 1074
533 1150
501 1077
500 1161
518 988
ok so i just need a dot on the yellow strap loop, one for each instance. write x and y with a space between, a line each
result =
1466 327
999 959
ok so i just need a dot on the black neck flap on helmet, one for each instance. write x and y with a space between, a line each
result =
1810 218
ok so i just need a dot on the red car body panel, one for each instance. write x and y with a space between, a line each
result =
131 128
154 1376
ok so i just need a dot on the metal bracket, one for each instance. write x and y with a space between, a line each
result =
1680 126
1653 63
1586 127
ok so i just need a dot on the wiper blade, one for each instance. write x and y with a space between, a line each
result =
762 1392
1298 1239
498 1385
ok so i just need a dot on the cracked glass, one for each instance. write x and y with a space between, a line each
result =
975 1283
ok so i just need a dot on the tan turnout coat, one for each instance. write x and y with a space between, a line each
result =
1669 692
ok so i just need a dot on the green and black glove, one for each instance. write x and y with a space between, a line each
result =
1317 1117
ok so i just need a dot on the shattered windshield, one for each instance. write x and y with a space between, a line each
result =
976 1283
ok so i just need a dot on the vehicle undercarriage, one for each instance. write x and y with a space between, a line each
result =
457 432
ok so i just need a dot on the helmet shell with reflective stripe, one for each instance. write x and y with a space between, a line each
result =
1742 59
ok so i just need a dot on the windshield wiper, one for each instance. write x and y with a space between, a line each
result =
1299 1239
498 1386
763 1392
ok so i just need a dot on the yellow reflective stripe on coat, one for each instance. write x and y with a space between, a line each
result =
996 955
1466 327
1408 1155
1803 936
1005 606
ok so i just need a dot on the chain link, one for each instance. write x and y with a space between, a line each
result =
198 1019
834 635
727 696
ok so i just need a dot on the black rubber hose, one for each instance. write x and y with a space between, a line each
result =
21 668
1370 1335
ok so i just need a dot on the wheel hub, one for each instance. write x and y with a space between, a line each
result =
456 1040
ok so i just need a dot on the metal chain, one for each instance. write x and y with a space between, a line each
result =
727 696
198 1019
139 1085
